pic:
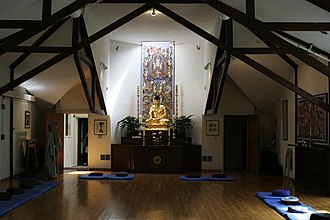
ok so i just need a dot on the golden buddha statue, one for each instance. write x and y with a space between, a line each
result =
157 116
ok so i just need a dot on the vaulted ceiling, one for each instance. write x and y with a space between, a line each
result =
259 28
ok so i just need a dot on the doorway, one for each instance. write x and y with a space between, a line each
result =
82 141
241 140
235 141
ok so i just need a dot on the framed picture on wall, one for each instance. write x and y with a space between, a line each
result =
312 120
100 127
212 127
27 119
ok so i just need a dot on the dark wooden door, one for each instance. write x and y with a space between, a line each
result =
253 143
235 142
50 117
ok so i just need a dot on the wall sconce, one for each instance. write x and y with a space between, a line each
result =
207 66
153 13
103 66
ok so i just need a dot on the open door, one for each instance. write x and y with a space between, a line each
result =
82 142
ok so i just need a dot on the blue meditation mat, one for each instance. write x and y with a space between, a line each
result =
201 178
29 194
282 209
267 195
86 176
6 206
227 178
207 178
45 186
114 177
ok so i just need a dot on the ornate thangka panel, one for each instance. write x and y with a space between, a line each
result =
157 76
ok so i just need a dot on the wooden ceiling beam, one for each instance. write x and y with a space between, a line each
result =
84 82
258 50
324 4
191 26
46 9
264 70
273 38
137 12
296 26
303 43
37 43
155 1
27 33
89 53
18 24
34 49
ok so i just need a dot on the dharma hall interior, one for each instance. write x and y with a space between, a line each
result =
164 109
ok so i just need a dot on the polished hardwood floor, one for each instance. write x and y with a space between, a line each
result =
158 196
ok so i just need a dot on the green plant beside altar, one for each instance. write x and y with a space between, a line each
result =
131 124
181 124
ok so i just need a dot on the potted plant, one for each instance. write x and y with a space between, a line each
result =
181 124
132 125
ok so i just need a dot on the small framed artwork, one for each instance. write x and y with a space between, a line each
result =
100 127
27 119
212 127
285 119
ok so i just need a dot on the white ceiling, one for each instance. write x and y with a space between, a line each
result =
262 91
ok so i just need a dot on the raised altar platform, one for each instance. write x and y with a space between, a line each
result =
156 158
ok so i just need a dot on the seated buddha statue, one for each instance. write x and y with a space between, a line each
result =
157 116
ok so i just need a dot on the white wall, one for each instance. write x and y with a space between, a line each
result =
4 125
233 102
20 133
125 67
310 80
98 144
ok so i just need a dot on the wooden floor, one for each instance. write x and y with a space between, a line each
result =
158 196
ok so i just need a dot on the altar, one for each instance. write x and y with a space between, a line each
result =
156 145
171 155
156 159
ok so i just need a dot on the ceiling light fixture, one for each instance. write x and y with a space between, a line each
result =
222 15
153 13
76 14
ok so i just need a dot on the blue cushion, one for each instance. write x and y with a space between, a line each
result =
5 196
122 174
227 178
87 176
95 174
114 177
202 178
281 192
267 195
282 209
320 216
